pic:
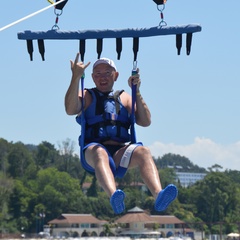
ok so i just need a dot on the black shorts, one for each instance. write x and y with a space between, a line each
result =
113 148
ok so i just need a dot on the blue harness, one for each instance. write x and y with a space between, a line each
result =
106 118
122 168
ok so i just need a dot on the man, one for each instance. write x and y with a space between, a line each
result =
107 151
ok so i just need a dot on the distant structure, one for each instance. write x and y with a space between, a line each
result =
136 223
187 178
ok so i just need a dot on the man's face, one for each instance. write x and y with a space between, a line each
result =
104 77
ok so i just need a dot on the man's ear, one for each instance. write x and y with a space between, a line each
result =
116 76
93 78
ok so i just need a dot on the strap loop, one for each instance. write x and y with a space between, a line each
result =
118 47
135 47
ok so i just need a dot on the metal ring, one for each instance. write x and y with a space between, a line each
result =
163 7
55 27
56 13
162 24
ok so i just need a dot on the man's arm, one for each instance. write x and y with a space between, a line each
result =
72 99
142 112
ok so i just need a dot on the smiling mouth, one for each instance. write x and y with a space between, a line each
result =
103 83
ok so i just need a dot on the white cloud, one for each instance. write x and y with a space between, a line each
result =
203 152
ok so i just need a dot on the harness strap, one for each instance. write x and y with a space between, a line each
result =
132 128
82 48
99 108
125 160
83 120
116 96
106 123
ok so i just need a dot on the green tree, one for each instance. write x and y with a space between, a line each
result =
234 175
42 179
19 159
4 149
100 206
215 197
127 179
58 192
66 149
215 168
22 203
46 155
68 161
175 160
107 229
134 197
167 176
6 187
94 188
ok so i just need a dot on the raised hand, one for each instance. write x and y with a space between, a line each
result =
77 67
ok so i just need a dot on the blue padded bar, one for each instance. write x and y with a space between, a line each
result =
108 33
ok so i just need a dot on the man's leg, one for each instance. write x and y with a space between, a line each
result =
97 157
142 158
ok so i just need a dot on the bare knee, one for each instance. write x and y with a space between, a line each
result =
95 155
141 155
142 152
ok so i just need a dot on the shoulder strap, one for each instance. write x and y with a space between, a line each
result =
99 103
116 96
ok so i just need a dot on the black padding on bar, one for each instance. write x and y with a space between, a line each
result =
30 48
189 43
118 47
82 48
41 48
179 43
99 47
135 48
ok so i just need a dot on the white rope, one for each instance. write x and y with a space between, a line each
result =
31 15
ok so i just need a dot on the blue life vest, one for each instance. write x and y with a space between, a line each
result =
106 118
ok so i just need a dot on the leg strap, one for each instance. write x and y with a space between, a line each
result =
124 163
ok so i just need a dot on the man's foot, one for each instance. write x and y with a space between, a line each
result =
165 197
117 201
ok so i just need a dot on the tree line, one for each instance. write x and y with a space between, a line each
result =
39 183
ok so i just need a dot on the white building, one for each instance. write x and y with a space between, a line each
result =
76 225
135 224
187 179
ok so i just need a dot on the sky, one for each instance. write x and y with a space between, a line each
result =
194 100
